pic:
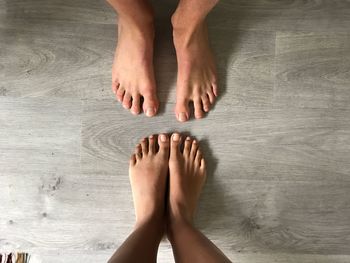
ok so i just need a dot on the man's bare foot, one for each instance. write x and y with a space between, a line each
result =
197 79
132 73
187 174
148 175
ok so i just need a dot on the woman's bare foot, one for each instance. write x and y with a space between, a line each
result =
132 73
148 175
187 174
197 79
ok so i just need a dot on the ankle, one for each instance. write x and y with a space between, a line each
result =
153 221
175 225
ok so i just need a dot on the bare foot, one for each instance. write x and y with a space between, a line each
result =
148 174
196 80
132 72
187 174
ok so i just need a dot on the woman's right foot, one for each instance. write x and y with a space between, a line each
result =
133 80
187 174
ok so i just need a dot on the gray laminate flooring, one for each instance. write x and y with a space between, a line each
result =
277 141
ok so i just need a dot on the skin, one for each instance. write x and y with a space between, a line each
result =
133 74
150 170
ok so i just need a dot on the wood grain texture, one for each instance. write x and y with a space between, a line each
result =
284 15
313 70
277 141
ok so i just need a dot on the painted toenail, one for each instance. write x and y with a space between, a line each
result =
176 137
182 116
150 112
162 138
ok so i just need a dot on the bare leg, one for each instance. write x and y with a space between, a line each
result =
187 175
148 172
132 72
196 80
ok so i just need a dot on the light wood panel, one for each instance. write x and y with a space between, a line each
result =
312 70
277 141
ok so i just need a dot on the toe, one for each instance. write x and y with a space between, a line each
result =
182 110
211 96
138 152
194 148
215 89
187 147
120 94
198 112
163 142
133 160
127 100
205 103
135 108
115 86
175 143
203 165
144 146
150 104
198 158
151 145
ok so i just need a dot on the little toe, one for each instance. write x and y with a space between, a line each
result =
127 100
211 96
115 86
203 164
133 160
205 103
182 110
215 88
151 144
135 108
144 146
187 146
163 142
198 157
138 152
198 112
120 94
194 148
150 104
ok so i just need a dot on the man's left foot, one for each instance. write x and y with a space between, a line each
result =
197 79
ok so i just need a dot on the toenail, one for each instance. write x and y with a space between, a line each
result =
176 137
182 116
151 136
194 141
150 112
162 138
188 138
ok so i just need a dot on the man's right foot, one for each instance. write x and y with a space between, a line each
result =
132 73
187 174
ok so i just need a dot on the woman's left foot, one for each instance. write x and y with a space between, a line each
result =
197 79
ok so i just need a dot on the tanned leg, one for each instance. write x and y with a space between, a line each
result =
187 174
148 175
197 79
132 73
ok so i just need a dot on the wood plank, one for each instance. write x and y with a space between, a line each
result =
265 143
312 70
285 15
166 256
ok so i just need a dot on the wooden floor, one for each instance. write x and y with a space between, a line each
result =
277 141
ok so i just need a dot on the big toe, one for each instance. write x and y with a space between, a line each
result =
175 144
150 104
182 110
163 142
